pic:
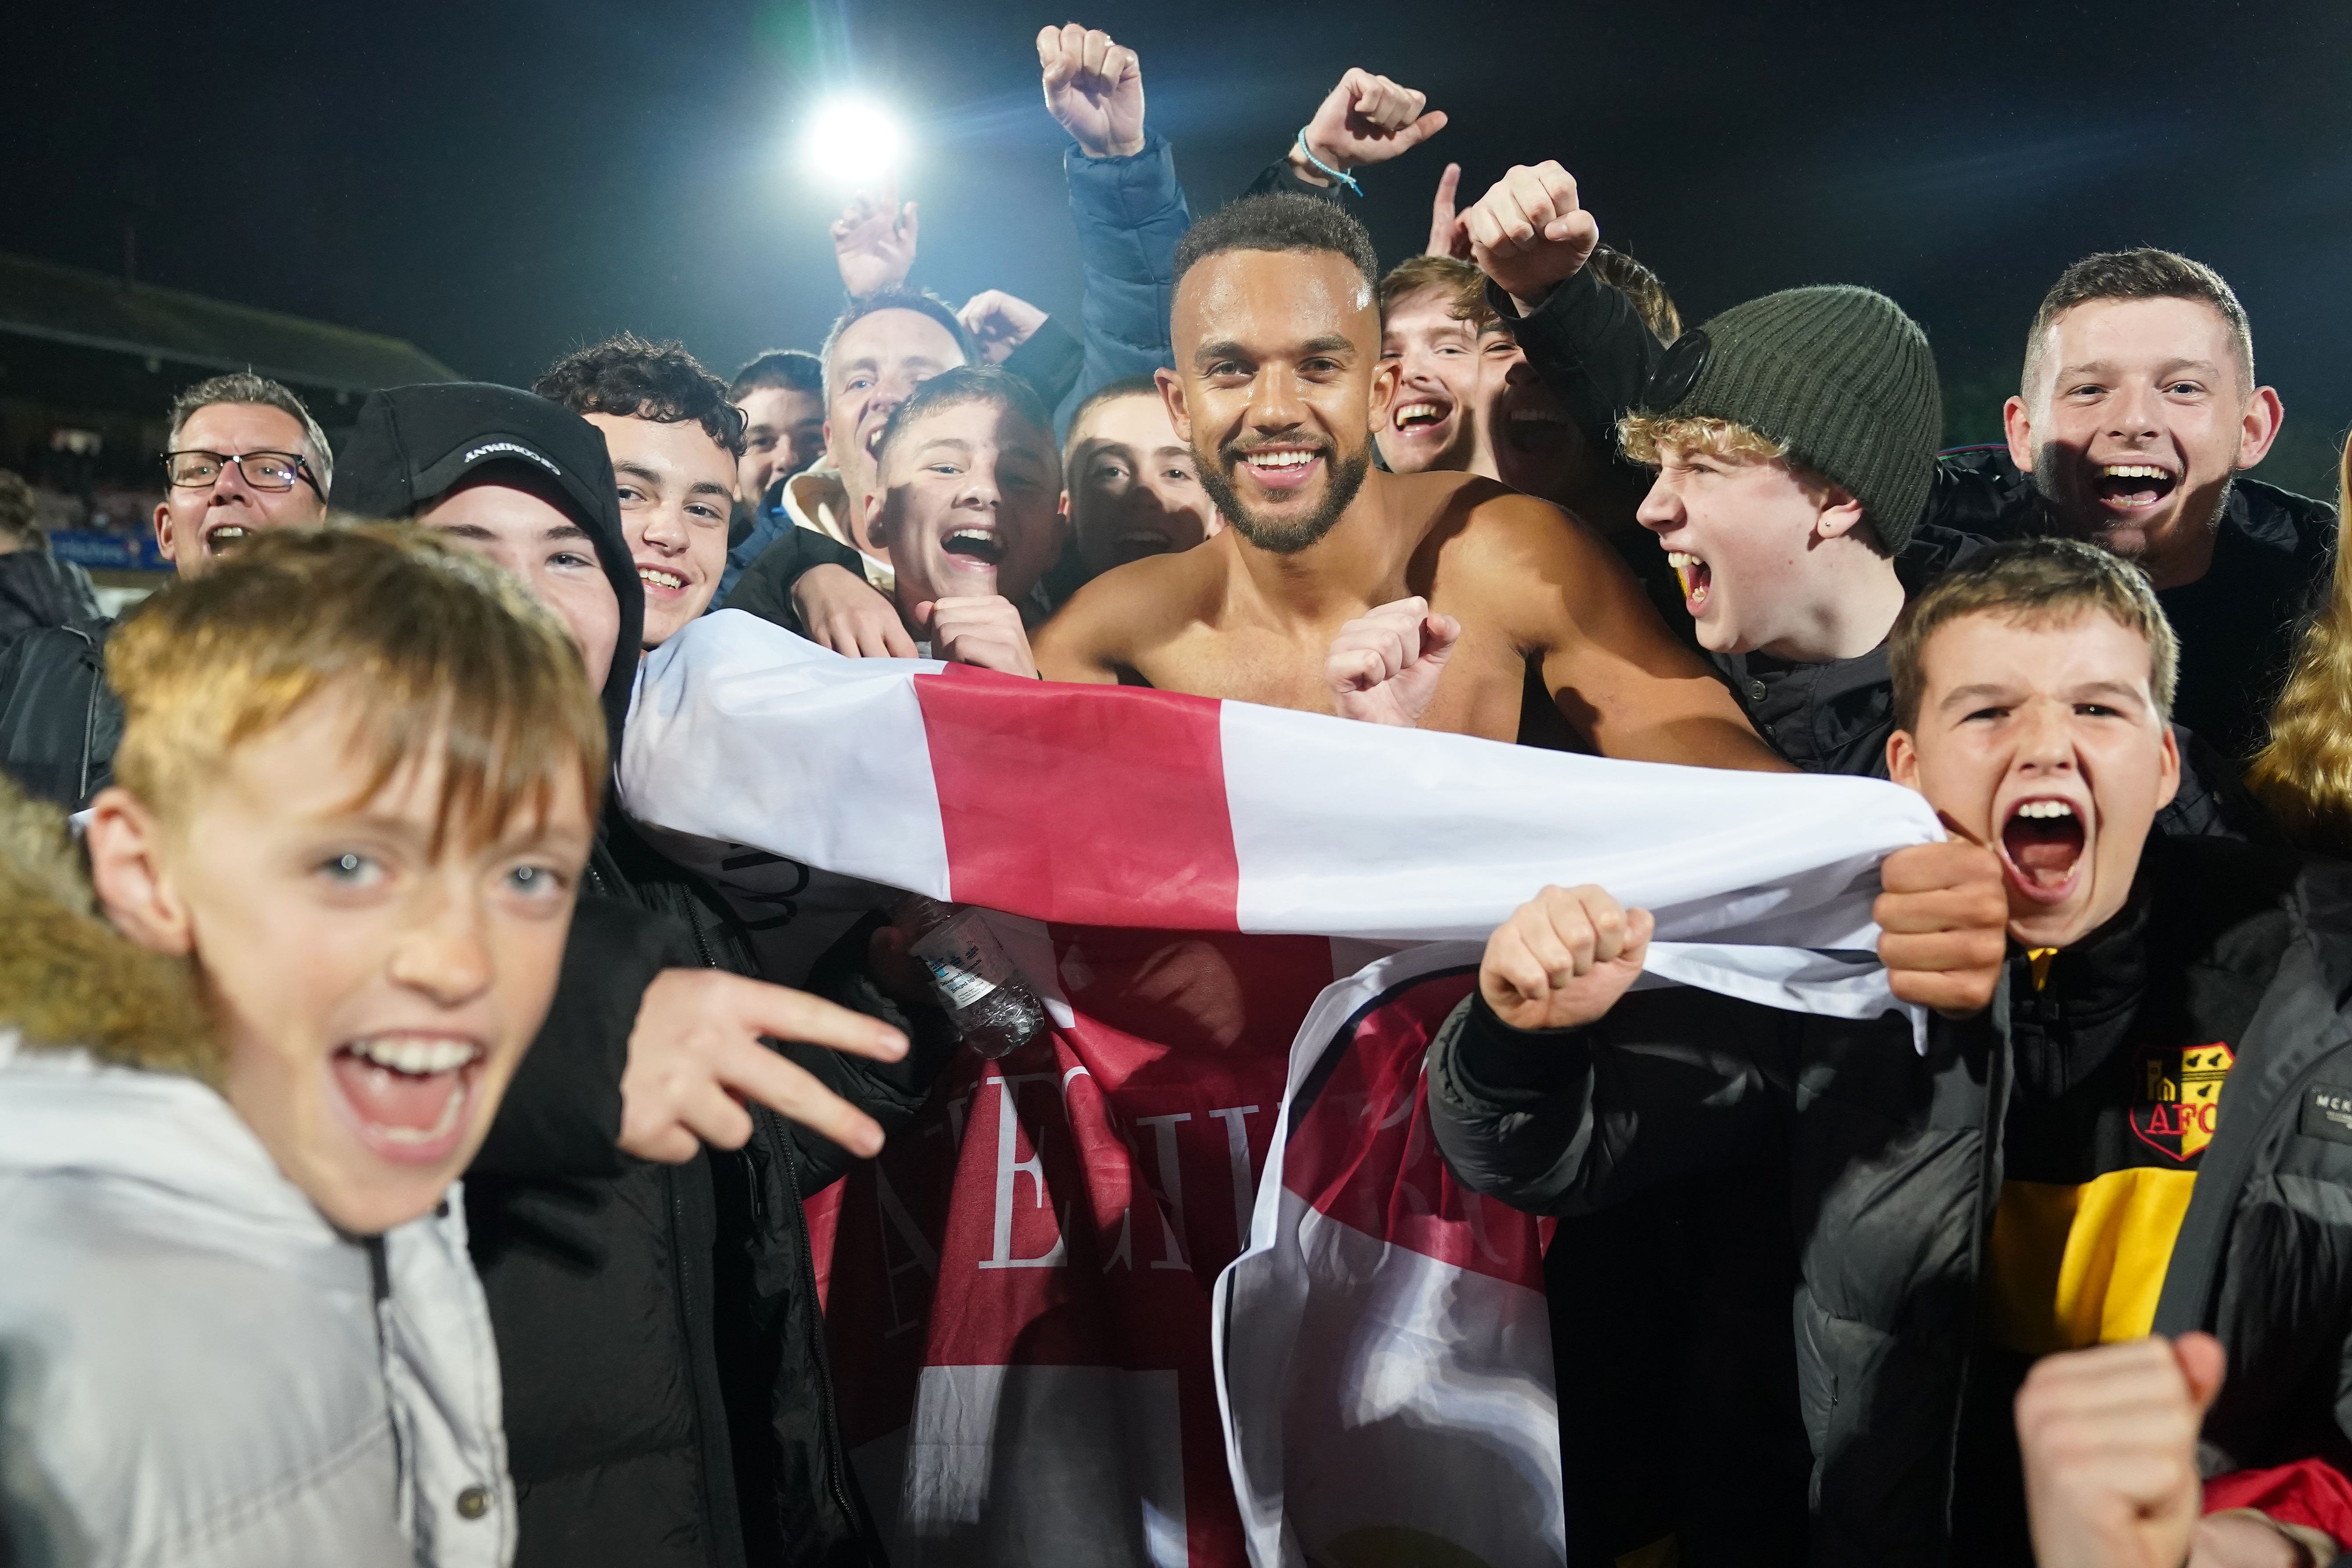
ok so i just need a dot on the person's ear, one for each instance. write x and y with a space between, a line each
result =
1903 760
2019 428
2168 777
877 531
1171 394
127 873
163 545
1840 515
2260 426
1387 376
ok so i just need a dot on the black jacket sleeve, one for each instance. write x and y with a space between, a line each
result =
1279 179
1670 1084
561 1114
1050 361
765 589
1590 346
890 1093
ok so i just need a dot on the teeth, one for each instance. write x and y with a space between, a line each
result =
416 1056
2042 809
981 535
1678 559
228 532
659 578
1281 460
2133 471
1412 411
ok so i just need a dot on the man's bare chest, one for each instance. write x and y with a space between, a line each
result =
1477 695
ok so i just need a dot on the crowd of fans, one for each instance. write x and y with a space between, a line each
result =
2072 1285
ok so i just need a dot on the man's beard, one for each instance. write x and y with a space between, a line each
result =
1284 538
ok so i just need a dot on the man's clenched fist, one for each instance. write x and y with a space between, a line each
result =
1563 958
980 629
1094 88
1383 667
1529 234
1943 922
1366 118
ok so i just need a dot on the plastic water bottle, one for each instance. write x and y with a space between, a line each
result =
982 990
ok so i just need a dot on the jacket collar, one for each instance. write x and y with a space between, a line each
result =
64 1112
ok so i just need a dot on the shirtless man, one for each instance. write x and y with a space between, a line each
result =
1278 385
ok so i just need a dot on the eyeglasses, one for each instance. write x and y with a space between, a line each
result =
262 471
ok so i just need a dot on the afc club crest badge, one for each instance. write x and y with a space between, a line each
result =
2179 1099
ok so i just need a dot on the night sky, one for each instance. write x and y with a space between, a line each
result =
499 182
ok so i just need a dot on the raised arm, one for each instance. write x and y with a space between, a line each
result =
1366 119
1533 238
1124 198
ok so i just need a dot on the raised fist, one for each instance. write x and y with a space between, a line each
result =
1563 958
1094 88
874 242
1366 119
1528 233
1383 667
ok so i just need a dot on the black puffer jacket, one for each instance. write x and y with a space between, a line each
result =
38 590
60 721
1897 1159
668 1404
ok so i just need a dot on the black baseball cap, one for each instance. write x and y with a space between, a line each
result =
415 444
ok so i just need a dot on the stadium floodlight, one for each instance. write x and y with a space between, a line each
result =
853 141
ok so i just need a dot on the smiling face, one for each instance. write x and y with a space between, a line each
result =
193 527
2139 413
2043 741
1432 417
1740 533
784 432
677 493
971 505
875 363
373 990
540 543
1274 384
1525 436
1132 485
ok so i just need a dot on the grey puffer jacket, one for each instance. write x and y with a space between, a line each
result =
1896 1160
196 1367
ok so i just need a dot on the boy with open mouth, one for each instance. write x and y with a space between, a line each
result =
969 497
246 1060
2145 1132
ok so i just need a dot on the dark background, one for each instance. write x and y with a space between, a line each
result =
499 181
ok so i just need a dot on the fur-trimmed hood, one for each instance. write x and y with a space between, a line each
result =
69 979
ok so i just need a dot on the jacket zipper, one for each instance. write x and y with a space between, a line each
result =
782 1148
834 1446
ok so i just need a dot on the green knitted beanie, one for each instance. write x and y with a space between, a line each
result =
1844 378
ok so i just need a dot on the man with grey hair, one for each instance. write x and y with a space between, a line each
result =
243 455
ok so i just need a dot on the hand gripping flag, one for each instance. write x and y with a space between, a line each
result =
1183 1280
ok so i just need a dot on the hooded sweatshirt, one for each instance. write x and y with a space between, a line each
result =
196 1367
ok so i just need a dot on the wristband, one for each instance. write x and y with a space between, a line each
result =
1308 153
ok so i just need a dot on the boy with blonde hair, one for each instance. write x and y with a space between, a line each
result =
244 1060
